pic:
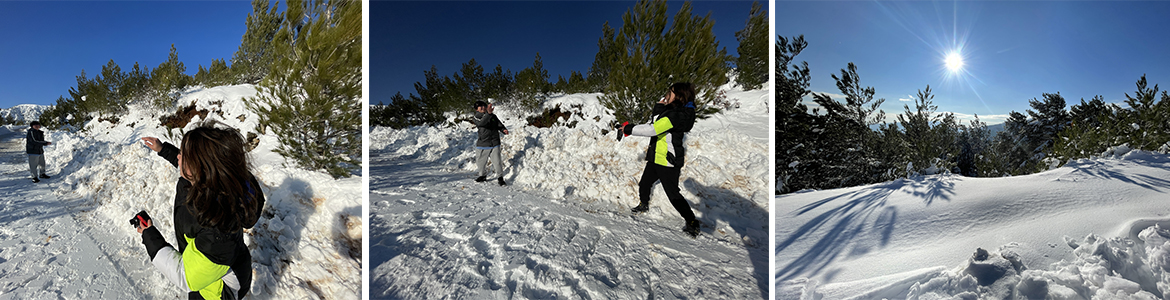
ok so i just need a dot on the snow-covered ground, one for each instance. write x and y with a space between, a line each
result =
1092 229
562 228
307 244
24 112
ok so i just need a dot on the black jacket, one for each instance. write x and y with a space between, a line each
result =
489 129
34 142
220 247
683 119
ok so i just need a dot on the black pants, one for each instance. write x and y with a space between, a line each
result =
669 178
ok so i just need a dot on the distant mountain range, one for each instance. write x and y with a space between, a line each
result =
24 113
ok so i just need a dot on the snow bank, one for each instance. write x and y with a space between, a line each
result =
579 159
306 245
1092 229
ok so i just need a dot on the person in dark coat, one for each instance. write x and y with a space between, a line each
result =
673 117
34 145
488 143
216 198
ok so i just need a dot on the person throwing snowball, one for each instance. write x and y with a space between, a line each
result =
673 117
216 198
34 145
488 142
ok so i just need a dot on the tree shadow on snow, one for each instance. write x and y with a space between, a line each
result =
273 244
1098 169
754 225
861 215
402 171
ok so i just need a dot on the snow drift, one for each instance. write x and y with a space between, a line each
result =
306 245
562 228
579 158
1092 229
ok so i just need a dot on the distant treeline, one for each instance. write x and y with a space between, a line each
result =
306 60
634 66
837 148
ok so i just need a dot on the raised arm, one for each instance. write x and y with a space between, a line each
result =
166 150
658 127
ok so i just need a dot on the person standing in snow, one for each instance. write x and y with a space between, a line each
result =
216 198
488 143
673 117
35 146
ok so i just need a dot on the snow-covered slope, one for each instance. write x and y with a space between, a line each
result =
562 228
1092 229
24 112
306 245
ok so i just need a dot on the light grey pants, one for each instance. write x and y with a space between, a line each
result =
35 161
170 263
482 161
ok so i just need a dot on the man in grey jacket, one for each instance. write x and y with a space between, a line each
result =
34 145
488 143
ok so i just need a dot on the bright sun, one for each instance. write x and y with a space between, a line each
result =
954 62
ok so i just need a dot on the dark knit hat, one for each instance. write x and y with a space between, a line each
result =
480 103
34 123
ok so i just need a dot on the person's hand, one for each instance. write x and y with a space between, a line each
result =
144 226
152 143
505 131
48 143
491 109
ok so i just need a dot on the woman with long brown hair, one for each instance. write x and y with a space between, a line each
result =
216 198
673 117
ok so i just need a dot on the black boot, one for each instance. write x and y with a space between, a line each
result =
481 179
500 180
643 207
35 180
692 228
44 176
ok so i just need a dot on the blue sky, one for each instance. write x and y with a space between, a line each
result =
1013 51
406 38
47 44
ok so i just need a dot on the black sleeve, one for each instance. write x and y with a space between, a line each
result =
658 109
482 120
153 241
170 153
40 138
499 124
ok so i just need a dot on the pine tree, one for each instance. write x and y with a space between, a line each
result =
1148 129
929 135
532 87
253 60
577 83
752 64
607 53
168 79
312 98
794 125
136 84
469 82
644 58
498 84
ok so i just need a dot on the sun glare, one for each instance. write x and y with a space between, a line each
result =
954 62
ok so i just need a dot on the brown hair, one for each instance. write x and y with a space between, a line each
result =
221 193
684 91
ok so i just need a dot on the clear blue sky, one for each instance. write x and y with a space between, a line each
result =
406 38
47 44
1013 51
